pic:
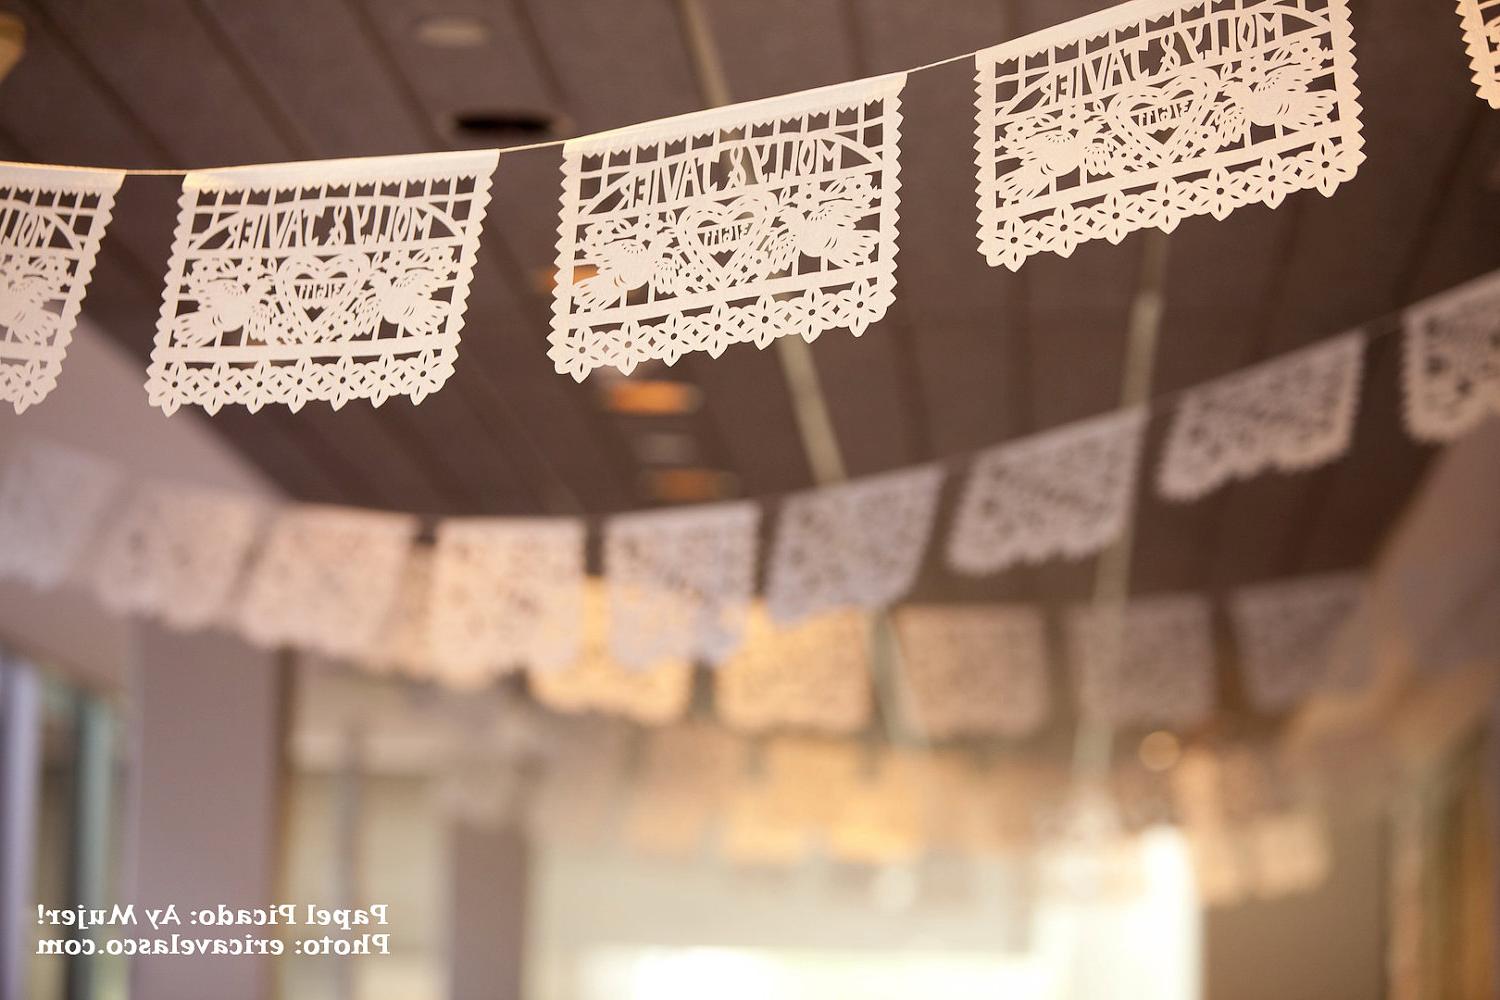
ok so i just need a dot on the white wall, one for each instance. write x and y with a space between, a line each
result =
202 709
100 406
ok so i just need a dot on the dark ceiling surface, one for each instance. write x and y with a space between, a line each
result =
968 355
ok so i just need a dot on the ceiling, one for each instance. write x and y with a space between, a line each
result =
968 355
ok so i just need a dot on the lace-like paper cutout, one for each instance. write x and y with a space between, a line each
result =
177 553
655 695
758 831
974 671
1151 112
1149 663
52 220
807 776
52 501
1066 492
1452 366
814 675
681 787
1481 21
680 581
507 593
581 782
327 579
741 224
1292 413
858 544
879 819
402 645
334 280
1286 633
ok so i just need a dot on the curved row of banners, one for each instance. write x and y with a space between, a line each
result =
346 279
1254 830
496 594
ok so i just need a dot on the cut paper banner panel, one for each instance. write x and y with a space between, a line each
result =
1451 373
858 544
741 224
680 582
1065 492
401 645
775 815
681 786
759 831
327 580
1481 21
52 220
879 817
580 786
653 696
52 501
333 280
1292 413
1285 632
507 594
1149 663
974 671
814 675
1154 111
177 553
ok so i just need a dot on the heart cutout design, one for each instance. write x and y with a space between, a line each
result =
727 243
1166 121
318 293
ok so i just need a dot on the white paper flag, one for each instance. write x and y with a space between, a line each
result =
1481 21
177 553
1148 663
858 544
1292 413
680 581
327 579
52 501
1452 364
1064 492
595 682
507 593
741 224
1150 112
332 280
974 671
51 222
681 785
1286 632
814 675
402 644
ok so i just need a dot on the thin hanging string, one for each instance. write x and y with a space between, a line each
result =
530 147
1374 331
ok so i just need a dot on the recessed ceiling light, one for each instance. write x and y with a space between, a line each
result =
452 31
689 485
651 397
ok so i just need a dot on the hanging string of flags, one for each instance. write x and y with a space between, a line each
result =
343 279
346 279
490 596
1250 831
